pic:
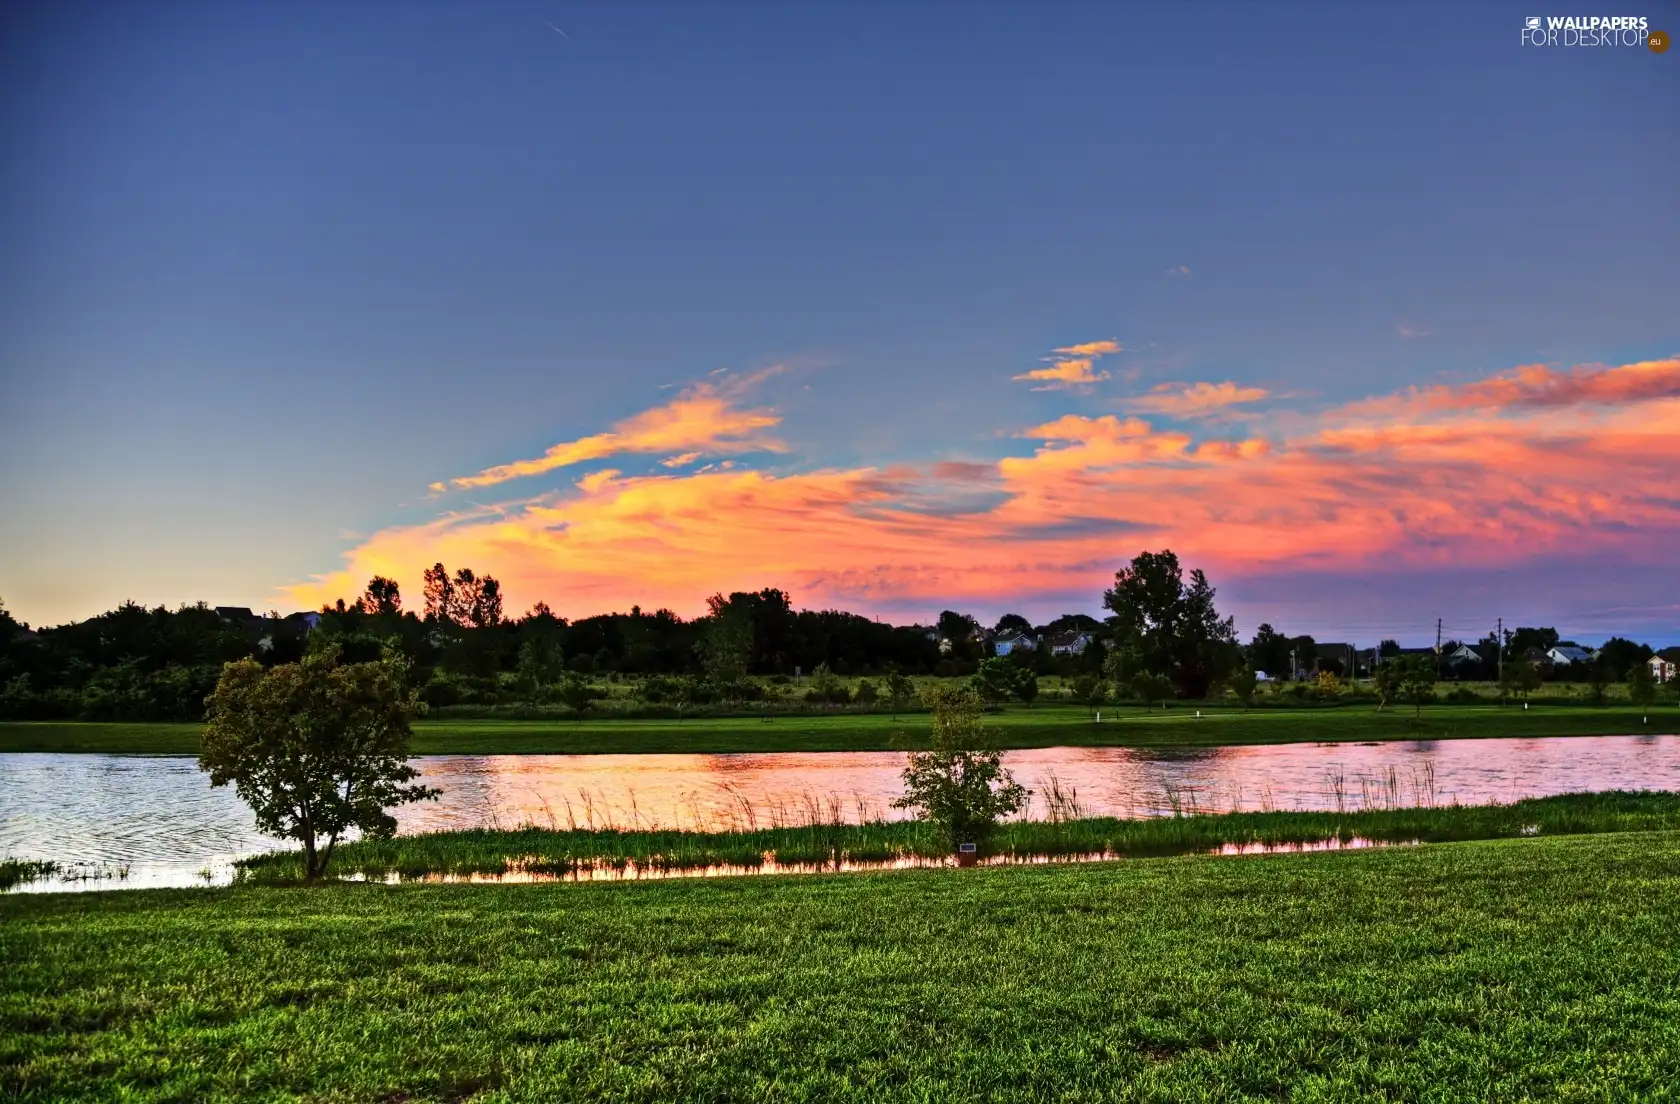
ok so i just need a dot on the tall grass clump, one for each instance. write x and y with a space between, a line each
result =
830 844
15 872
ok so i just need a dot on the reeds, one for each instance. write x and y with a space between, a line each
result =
812 835
18 871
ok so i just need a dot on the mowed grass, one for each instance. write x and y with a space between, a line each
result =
545 851
1016 727
1543 969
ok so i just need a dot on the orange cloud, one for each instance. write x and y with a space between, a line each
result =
1196 400
703 417
1374 483
1090 348
1070 369
1063 373
1537 385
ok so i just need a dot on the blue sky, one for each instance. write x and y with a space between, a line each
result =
270 270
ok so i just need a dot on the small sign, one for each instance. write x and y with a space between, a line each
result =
966 849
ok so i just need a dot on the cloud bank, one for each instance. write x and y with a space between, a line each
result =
1535 462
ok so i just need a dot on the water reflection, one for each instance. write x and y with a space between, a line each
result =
158 818
631 871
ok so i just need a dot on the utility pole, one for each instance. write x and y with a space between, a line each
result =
1294 667
1499 636
1437 647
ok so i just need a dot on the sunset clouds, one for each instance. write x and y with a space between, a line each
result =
1070 369
1531 462
703 419
1538 385
1194 400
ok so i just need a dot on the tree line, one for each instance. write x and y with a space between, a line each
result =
1162 638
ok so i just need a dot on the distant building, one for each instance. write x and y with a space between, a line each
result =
1013 641
235 614
308 622
1565 654
1070 643
1663 669
1462 656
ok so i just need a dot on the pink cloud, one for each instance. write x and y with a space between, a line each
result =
1195 400
1457 476
703 417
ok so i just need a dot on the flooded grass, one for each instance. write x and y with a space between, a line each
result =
19 871
819 845
1526 969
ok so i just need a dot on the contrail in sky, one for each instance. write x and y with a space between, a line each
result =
559 32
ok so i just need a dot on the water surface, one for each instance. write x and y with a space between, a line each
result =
127 821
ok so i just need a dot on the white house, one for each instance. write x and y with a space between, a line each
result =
1464 653
1663 669
1072 642
1565 654
1012 641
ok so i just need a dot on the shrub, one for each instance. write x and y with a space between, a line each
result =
959 784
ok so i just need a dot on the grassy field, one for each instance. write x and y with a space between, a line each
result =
1016 727
1537 969
544 851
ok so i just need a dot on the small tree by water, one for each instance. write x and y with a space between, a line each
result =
900 689
959 784
1417 681
1642 685
316 748
1242 684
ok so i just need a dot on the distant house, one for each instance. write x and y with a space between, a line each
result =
308 622
1463 655
235 614
1663 669
1013 641
1070 643
1565 654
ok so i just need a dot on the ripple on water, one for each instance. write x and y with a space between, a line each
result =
158 816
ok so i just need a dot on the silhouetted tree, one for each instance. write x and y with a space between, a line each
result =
1166 627
381 597
440 594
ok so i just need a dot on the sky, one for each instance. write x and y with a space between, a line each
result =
1370 311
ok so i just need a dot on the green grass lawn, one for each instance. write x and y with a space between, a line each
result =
1542 969
1016 727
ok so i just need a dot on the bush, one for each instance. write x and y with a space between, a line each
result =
959 784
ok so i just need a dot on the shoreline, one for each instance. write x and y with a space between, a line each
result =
1016 729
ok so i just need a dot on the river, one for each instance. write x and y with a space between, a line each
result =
136 821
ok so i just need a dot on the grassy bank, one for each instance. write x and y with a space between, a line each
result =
539 850
1016 727
1544 969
